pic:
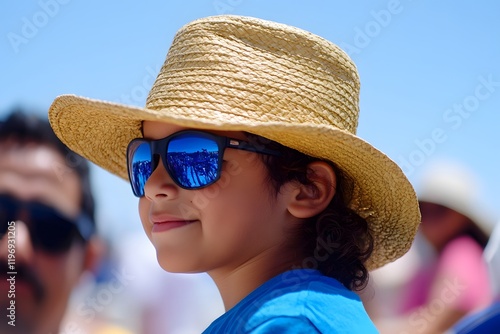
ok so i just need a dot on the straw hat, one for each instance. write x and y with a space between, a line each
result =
245 74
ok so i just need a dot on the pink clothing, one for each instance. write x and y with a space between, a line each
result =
458 278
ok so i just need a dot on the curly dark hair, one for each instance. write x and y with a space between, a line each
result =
337 241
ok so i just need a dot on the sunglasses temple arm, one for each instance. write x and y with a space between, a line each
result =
246 146
85 226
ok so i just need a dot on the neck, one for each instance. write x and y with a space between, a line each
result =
237 283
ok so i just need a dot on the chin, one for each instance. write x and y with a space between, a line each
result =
174 265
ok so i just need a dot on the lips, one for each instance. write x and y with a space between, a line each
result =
163 223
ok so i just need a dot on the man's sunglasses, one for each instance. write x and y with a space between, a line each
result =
193 159
50 230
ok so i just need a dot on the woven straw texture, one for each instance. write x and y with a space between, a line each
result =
246 74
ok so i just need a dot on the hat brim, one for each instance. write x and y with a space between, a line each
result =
100 131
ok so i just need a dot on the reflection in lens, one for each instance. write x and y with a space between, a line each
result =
141 168
193 160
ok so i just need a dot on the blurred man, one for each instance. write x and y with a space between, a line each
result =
47 225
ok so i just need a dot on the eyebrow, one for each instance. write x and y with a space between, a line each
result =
51 175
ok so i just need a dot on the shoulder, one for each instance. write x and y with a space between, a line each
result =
288 325
306 287
462 244
460 251
463 275
299 299
314 300
277 324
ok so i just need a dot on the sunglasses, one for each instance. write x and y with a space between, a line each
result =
193 159
50 230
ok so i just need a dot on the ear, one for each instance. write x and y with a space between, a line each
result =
309 200
94 253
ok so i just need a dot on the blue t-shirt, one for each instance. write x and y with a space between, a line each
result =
297 301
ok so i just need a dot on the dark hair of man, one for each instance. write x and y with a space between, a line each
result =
23 128
477 234
337 231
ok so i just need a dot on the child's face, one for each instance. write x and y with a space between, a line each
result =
221 227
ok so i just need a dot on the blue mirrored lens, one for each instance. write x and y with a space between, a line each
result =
141 168
193 160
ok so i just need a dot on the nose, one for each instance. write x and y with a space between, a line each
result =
160 185
16 243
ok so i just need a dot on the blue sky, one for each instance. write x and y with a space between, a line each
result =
430 71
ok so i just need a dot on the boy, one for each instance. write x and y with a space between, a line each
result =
247 167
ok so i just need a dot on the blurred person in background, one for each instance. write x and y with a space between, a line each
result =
444 276
48 237
486 321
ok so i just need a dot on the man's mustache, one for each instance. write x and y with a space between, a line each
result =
26 274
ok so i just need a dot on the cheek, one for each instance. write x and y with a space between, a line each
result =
238 206
441 230
432 228
144 207
61 273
